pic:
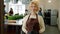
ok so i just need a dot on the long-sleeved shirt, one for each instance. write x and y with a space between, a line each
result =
41 23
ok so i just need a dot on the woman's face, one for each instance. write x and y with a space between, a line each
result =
33 7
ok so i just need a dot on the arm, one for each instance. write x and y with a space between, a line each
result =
23 28
42 25
24 24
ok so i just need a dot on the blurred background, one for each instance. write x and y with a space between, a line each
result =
15 10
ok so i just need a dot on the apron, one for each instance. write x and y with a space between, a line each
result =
32 25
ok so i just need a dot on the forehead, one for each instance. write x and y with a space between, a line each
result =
33 4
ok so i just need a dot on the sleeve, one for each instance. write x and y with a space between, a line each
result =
24 25
42 25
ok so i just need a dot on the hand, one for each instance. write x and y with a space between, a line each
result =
26 32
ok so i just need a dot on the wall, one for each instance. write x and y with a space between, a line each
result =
59 15
59 19
47 5
52 5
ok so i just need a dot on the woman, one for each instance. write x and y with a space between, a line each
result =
33 22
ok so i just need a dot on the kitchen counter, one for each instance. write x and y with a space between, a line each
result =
14 27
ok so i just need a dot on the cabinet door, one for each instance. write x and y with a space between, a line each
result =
53 20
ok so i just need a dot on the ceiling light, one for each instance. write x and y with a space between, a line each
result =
49 1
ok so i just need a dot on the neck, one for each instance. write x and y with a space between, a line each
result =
34 14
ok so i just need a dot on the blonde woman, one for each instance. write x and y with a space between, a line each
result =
33 23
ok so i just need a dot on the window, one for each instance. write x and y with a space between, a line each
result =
17 8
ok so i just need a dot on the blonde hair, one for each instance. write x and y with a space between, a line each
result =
34 2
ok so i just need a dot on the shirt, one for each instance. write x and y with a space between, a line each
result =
41 23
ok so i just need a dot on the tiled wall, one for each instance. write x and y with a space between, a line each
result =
47 5
59 17
59 20
59 14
